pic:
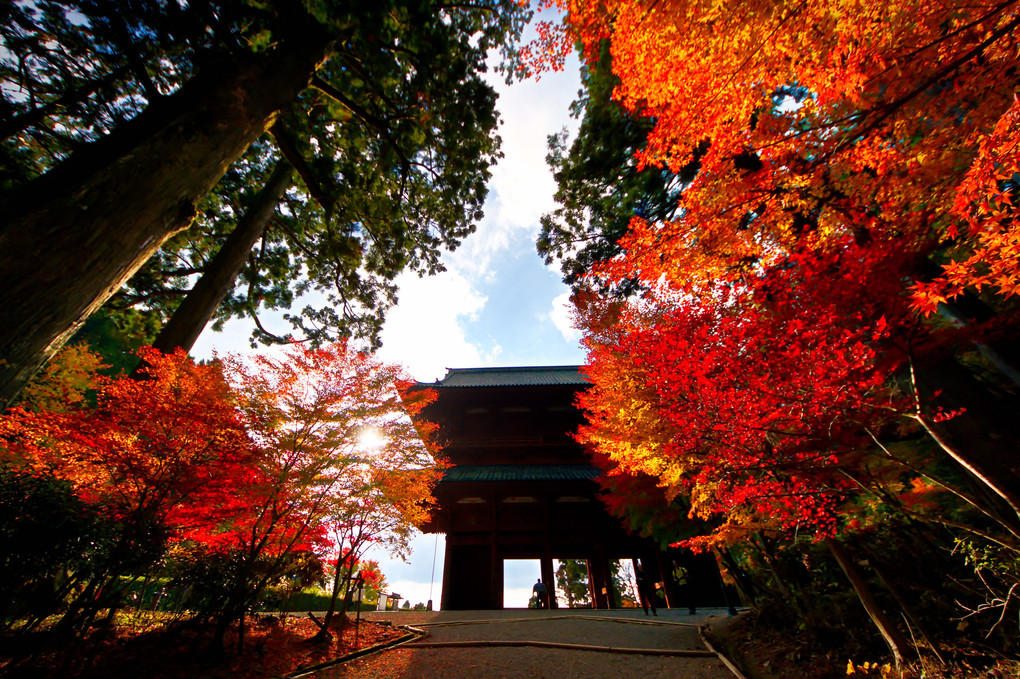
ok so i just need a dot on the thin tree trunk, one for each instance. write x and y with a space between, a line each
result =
907 609
341 579
782 577
893 638
323 633
989 442
198 307
71 238
742 579
240 633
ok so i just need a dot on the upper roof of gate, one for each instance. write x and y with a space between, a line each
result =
511 377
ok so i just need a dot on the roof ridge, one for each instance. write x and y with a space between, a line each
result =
513 376
522 368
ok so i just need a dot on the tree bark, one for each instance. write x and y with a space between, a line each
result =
893 638
76 234
341 575
198 307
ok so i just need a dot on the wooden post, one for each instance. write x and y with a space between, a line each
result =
447 561
548 577
495 573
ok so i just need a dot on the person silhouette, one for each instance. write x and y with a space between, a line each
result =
541 593
644 588
683 580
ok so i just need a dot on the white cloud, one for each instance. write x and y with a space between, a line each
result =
521 189
562 318
531 111
474 256
424 332
415 592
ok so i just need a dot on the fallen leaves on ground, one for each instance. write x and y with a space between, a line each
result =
274 647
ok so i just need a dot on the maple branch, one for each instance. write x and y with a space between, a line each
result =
891 107
958 493
765 40
919 417
949 523
961 29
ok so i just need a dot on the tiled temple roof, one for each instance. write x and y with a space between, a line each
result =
511 377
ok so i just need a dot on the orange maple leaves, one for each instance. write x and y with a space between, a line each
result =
984 204
889 122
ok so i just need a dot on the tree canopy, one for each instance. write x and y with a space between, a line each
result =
811 334
123 119
223 478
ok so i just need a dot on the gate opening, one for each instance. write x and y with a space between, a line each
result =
572 588
519 576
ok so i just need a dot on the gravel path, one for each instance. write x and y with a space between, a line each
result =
619 629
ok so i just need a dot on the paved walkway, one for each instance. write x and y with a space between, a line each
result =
529 644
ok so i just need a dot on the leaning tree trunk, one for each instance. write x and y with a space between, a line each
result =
892 636
71 238
198 307
980 437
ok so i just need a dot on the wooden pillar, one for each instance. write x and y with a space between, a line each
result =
495 562
549 578
612 595
445 600
651 560
548 575
496 574
599 577
594 588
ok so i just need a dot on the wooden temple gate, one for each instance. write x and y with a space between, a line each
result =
522 488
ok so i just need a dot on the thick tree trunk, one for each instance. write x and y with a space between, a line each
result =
894 639
75 235
198 307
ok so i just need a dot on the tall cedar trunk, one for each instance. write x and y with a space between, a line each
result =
198 307
893 638
71 238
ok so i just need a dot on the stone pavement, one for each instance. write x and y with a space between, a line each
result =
530 644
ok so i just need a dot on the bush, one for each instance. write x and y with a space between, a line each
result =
49 540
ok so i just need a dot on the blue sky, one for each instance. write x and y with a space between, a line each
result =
497 304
